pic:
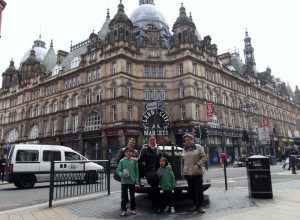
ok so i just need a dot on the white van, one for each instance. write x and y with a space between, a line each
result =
28 164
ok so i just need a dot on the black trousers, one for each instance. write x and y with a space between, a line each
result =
124 196
195 184
169 198
2 170
155 195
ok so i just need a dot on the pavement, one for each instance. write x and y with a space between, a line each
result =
232 204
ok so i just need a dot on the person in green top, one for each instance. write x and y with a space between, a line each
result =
129 173
166 183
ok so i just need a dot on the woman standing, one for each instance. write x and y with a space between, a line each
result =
150 155
193 161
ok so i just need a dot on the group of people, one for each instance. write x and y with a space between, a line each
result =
2 166
159 174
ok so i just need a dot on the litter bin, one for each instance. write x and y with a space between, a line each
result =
273 160
173 155
259 177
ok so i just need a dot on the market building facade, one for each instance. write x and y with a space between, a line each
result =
93 97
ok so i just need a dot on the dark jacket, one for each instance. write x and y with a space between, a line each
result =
2 164
151 158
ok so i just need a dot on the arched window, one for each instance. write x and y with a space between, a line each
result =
37 110
31 112
162 94
207 95
34 132
55 106
147 93
75 101
93 122
66 103
215 97
181 92
47 108
155 93
224 101
88 98
12 136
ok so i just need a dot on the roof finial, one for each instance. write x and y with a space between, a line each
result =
107 15
40 37
51 44
191 16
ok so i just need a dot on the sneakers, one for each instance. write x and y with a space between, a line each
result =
167 209
201 209
157 211
172 210
133 212
122 213
194 208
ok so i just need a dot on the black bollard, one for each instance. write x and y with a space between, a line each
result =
225 174
292 161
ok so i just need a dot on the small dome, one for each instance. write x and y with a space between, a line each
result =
183 19
11 69
93 34
121 16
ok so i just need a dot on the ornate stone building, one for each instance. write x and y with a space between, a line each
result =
93 97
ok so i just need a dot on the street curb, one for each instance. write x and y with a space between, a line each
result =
61 202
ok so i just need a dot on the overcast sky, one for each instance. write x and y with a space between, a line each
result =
272 25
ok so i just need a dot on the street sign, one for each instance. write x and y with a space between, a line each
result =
153 105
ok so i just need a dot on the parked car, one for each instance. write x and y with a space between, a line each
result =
28 164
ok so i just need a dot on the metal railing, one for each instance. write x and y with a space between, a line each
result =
66 182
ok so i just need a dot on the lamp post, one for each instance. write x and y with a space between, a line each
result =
248 107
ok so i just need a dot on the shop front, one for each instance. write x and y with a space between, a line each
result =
113 145
70 140
231 145
92 145
214 144
49 140
178 134
132 133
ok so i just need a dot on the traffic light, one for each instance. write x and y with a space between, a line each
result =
203 133
197 132
245 135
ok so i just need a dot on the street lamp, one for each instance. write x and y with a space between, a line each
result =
249 139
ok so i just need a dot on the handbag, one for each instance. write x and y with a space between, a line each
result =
117 176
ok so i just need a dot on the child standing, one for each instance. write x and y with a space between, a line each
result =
129 173
166 183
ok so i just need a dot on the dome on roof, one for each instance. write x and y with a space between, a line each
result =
11 69
183 19
147 13
39 48
121 16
